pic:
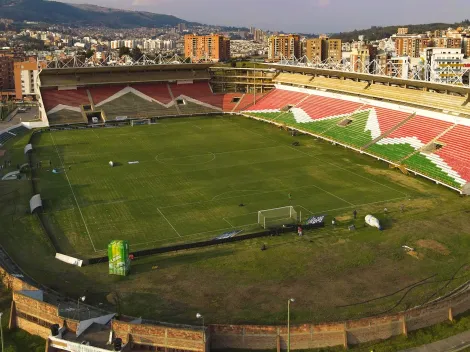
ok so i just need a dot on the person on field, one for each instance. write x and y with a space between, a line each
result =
299 231
333 222
290 195
355 214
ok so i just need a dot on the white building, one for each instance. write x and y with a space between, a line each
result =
116 44
130 44
444 65
169 44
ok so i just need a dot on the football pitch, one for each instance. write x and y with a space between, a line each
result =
185 179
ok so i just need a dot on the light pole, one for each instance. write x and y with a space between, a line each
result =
200 316
78 304
288 322
1 329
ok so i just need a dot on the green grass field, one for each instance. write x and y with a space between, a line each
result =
191 177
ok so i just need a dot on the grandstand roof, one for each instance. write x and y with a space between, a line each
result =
373 78
122 74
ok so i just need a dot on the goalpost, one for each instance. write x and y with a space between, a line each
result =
140 122
277 216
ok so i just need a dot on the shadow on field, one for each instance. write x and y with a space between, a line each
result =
157 263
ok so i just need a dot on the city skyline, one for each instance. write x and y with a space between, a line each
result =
312 16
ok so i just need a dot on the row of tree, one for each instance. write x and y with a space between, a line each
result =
377 32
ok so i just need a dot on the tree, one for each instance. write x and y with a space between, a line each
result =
115 298
136 54
89 53
124 51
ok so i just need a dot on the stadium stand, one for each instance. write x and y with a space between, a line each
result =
18 130
414 97
200 93
318 107
157 91
432 146
276 100
409 137
65 117
456 150
134 106
289 78
4 137
248 100
228 104
386 120
102 93
70 98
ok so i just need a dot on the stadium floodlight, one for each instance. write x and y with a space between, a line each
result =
277 216
200 316
289 301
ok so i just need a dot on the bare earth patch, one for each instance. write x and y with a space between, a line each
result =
434 246
415 254
395 176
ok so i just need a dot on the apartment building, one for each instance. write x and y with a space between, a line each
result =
331 49
314 49
26 73
446 65
214 47
414 45
286 45
7 69
324 48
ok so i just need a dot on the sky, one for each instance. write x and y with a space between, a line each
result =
303 16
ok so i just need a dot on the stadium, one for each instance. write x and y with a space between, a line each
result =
208 172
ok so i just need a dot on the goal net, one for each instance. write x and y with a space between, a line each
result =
277 217
140 122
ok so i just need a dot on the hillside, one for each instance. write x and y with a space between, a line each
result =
61 13
377 32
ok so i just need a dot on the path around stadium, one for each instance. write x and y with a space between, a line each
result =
451 344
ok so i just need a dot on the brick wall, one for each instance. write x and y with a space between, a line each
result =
180 339
33 328
14 283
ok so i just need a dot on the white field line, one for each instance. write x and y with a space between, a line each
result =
228 222
187 156
331 194
168 222
73 193
95 133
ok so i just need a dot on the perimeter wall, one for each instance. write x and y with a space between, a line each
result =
36 317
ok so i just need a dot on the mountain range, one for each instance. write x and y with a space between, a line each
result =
82 15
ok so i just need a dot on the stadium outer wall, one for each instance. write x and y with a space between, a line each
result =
36 317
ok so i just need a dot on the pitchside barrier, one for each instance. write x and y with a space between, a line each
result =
202 244
127 122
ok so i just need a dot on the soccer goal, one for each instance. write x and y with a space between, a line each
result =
277 217
140 122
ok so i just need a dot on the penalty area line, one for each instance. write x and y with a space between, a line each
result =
228 222
168 222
